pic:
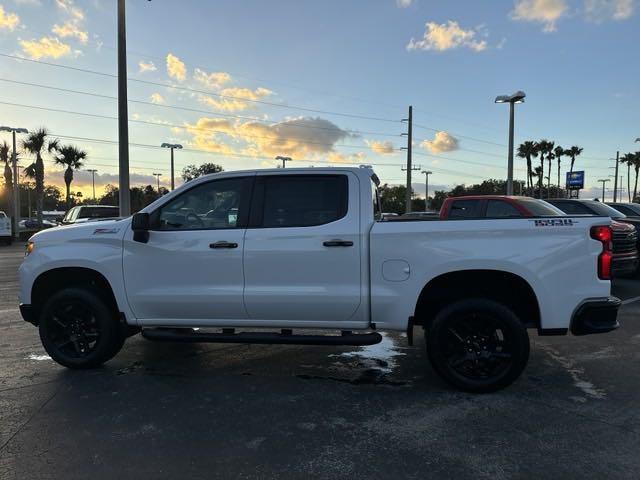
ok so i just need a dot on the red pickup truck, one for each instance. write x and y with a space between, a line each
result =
495 206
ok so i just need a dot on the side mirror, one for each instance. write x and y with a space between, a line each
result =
140 222
140 225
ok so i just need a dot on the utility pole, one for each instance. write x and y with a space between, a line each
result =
284 160
603 181
517 97
426 194
16 187
123 115
409 135
172 146
158 175
93 181
615 182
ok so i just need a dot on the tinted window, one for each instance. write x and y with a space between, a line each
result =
302 201
572 208
465 209
212 205
98 212
600 208
539 208
500 208
629 209
377 212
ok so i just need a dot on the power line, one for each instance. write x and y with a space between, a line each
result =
203 92
194 110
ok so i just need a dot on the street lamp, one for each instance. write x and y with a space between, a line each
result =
603 181
284 160
93 181
16 191
426 194
158 175
172 146
517 97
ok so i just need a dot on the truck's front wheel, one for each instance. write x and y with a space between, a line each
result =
78 330
477 345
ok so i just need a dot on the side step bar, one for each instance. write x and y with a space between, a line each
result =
228 335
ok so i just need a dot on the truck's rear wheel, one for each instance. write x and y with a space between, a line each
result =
477 345
78 330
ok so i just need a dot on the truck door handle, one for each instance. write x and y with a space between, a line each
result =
223 244
338 243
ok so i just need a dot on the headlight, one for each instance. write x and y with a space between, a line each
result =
29 248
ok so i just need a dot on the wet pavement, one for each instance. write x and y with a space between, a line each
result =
254 411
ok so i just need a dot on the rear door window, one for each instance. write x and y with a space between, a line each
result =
299 200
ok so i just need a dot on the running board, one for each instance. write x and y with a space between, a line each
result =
286 337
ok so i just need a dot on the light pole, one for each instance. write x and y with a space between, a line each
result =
172 146
16 188
93 181
284 160
517 97
426 194
123 115
603 181
158 175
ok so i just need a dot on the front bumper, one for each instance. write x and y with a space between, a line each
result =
596 316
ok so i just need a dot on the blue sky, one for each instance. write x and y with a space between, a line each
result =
576 61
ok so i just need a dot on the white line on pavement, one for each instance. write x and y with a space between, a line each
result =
630 300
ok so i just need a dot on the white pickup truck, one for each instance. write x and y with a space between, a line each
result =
236 253
5 229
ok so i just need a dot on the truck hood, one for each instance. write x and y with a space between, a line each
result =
87 230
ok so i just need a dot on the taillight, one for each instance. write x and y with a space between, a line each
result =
605 236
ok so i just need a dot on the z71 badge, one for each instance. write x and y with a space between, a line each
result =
554 222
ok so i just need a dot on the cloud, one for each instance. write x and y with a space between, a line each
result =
546 12
337 157
8 21
70 29
146 66
46 47
297 137
404 3
235 98
382 148
213 80
447 36
176 68
68 6
442 142
601 10
157 98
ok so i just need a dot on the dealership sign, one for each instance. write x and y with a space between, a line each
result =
575 180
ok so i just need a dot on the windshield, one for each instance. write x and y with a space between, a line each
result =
605 210
540 208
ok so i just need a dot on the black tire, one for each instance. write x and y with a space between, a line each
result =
477 345
78 330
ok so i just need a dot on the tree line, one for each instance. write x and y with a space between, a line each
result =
38 144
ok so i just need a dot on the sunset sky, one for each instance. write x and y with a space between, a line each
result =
238 82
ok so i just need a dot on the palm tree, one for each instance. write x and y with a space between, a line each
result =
545 147
4 157
71 157
34 144
527 150
558 152
628 159
636 167
573 152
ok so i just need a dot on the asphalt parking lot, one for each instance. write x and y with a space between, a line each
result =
237 411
